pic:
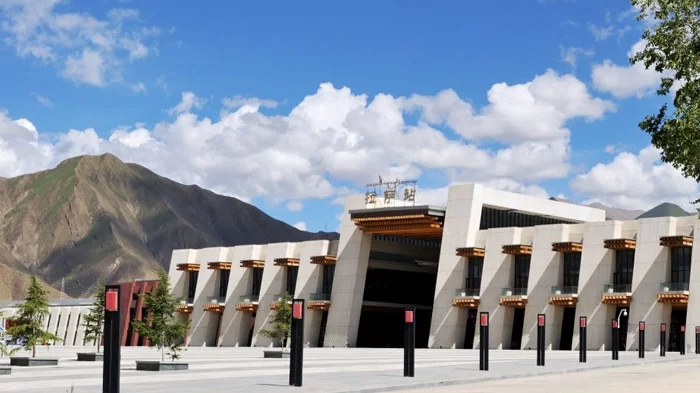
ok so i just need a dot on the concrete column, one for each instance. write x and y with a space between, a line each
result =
178 279
203 324
349 281
651 267
235 324
272 283
310 280
462 218
597 268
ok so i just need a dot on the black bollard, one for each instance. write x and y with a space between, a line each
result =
642 343
296 355
662 340
582 342
697 340
682 340
112 340
484 341
540 339
409 342
615 340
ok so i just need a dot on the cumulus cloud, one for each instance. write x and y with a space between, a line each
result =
636 181
83 48
301 225
239 101
335 141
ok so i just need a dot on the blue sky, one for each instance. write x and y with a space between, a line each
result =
293 105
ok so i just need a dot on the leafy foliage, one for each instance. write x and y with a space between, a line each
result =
281 321
4 350
29 318
161 327
95 319
673 49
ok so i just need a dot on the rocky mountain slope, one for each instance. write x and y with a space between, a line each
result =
95 219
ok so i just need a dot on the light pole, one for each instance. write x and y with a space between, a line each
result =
622 312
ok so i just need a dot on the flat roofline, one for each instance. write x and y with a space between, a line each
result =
436 211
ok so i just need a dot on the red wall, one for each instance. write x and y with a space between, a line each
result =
133 306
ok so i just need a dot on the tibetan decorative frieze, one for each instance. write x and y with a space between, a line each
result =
567 247
188 267
620 244
322 305
675 298
513 301
253 263
618 299
470 252
415 221
563 300
247 307
466 302
219 265
518 249
676 241
324 260
214 307
287 262
184 308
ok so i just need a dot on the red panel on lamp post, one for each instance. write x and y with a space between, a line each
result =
642 325
409 316
540 320
297 310
663 327
112 301
582 322
484 320
682 328
614 324
697 329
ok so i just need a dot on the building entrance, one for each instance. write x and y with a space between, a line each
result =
516 337
471 329
678 316
567 328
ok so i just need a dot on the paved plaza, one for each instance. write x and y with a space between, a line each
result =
340 370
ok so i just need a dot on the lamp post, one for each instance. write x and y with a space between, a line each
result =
622 312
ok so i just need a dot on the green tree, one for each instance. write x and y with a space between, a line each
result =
4 350
161 327
281 321
673 49
95 319
29 318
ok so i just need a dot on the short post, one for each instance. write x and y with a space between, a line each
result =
296 355
409 342
582 342
484 341
615 340
642 343
682 340
540 339
662 340
697 340
112 340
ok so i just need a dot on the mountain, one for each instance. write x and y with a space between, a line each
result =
95 219
612 213
665 209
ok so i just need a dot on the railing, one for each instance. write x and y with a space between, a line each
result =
465 292
565 290
216 300
617 288
249 299
514 292
320 297
674 287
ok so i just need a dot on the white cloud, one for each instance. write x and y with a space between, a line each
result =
301 225
636 181
626 81
138 87
295 206
571 55
236 102
83 48
601 33
43 100
334 139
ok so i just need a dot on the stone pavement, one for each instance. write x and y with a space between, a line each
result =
325 370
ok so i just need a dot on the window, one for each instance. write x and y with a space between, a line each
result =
572 266
680 267
328 272
474 269
498 218
192 286
257 281
292 272
624 268
522 272
223 282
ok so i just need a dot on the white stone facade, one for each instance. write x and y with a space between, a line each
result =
580 230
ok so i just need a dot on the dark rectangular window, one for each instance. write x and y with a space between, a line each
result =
680 267
192 286
498 218
522 272
292 272
572 266
328 273
474 269
223 282
257 281
624 268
